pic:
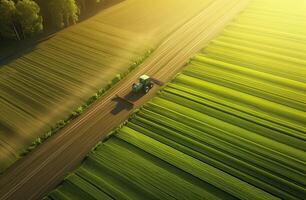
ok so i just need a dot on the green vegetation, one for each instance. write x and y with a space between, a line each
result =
19 20
27 14
231 125
7 25
64 12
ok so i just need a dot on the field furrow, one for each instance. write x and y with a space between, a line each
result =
231 125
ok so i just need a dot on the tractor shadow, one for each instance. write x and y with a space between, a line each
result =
127 104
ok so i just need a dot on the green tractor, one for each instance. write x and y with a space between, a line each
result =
144 85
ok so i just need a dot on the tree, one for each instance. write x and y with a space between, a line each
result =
45 13
7 23
87 5
64 12
27 14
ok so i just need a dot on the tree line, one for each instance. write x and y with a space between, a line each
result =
20 19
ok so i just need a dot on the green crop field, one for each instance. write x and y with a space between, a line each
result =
48 82
231 125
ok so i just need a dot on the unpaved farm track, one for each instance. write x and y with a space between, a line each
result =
39 172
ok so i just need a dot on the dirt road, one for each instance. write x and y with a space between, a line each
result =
40 171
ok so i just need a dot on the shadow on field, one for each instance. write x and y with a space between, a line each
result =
126 102
11 50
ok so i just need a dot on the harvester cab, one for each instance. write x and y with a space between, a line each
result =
144 85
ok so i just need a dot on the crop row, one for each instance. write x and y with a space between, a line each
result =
231 125
44 86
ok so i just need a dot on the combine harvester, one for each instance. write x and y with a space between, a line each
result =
144 85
